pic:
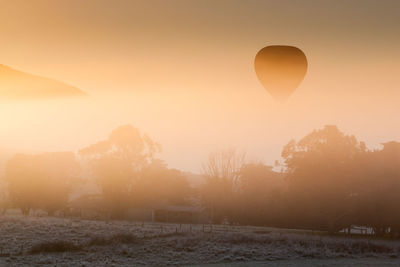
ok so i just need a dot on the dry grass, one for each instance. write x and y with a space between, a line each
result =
123 243
67 246
54 246
119 238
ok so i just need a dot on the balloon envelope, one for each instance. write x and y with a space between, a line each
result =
280 69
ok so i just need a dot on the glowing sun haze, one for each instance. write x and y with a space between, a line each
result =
182 71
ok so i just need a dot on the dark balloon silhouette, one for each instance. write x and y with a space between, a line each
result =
280 69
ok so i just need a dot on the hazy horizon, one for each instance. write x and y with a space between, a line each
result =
199 132
183 73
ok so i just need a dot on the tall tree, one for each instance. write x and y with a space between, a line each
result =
320 176
117 162
260 190
378 195
158 185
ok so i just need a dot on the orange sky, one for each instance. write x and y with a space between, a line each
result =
182 71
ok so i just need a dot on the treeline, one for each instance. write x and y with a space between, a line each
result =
328 181
123 167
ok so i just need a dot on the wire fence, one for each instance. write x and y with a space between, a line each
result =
212 228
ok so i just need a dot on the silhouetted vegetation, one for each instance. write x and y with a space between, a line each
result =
334 181
221 173
41 181
328 181
156 184
116 164
261 189
321 177
54 246
120 238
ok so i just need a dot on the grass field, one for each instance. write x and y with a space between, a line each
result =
52 241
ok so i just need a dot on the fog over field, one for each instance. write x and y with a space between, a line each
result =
186 128
199 133
65 242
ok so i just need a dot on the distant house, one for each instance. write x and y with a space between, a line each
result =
92 206
87 206
140 214
179 214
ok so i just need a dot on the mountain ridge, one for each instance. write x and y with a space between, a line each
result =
16 84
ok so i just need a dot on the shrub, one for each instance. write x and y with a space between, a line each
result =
120 238
54 246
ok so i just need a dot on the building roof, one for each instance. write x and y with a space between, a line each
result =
181 208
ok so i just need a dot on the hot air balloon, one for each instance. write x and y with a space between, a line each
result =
280 69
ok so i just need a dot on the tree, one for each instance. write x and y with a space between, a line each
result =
260 190
116 164
157 185
378 193
221 173
4 197
41 181
320 176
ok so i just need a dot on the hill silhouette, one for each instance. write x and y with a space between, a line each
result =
16 84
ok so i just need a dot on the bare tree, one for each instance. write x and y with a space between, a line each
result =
222 172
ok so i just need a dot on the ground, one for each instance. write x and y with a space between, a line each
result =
52 241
